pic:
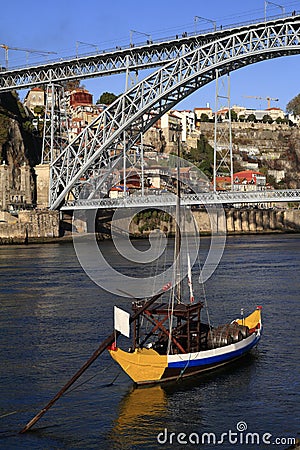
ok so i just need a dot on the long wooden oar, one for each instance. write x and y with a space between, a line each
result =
108 341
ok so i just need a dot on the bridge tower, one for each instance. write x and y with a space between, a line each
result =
56 134
223 165
55 139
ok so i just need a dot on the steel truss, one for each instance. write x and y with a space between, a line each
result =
205 198
96 151
56 134
103 64
120 60
223 161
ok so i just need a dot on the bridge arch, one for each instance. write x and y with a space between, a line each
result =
135 111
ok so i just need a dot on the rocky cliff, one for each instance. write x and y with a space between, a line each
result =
19 143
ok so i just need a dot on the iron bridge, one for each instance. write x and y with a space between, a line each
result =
188 63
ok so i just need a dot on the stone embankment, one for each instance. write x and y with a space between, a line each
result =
247 221
231 221
44 225
29 226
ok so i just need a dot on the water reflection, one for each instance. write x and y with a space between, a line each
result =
138 412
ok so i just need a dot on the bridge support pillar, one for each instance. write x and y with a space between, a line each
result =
245 221
230 221
266 219
218 221
237 221
272 220
252 221
259 220
42 185
84 221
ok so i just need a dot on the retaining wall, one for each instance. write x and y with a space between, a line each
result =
28 225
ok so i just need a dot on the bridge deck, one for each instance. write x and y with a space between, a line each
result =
169 199
144 55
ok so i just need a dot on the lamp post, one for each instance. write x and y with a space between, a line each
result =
275 4
196 18
138 32
84 43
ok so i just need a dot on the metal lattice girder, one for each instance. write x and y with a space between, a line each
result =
103 64
119 60
205 198
223 159
56 134
98 146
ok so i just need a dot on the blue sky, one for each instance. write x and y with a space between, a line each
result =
63 27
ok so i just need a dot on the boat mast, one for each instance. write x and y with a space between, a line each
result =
177 283
178 218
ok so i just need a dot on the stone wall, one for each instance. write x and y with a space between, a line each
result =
36 224
230 221
250 220
43 225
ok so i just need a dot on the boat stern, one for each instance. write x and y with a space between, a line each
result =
253 321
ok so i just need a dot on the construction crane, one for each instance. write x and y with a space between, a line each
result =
269 99
27 50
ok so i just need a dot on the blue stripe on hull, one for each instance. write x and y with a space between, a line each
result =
213 359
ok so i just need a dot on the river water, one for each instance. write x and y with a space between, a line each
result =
53 317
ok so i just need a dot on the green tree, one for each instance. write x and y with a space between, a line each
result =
293 106
71 85
271 180
202 156
4 129
233 115
39 110
267 119
107 98
204 117
251 118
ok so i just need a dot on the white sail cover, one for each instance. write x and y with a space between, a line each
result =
121 319
190 280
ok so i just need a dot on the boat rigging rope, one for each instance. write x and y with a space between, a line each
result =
184 369
172 297
201 282
94 376
155 268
